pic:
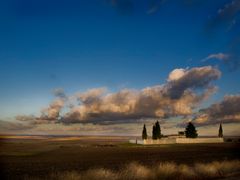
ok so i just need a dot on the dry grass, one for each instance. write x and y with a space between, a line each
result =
111 159
168 170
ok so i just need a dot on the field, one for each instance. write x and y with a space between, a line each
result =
45 157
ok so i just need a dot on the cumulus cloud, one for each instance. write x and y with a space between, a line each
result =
191 79
176 74
184 90
91 95
50 113
226 111
53 111
178 97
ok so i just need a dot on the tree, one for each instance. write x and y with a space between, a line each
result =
154 136
144 132
158 130
220 131
191 131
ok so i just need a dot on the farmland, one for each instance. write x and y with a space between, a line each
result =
22 157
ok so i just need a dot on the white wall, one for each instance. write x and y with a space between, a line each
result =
199 140
160 141
177 141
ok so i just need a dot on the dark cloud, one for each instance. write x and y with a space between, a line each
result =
226 111
225 15
59 92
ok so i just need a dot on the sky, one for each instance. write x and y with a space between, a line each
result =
108 66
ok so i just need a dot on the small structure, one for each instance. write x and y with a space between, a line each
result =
181 133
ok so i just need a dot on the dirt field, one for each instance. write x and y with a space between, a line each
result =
21 157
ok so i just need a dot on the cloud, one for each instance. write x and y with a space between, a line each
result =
176 74
218 56
53 111
226 21
91 95
50 113
231 60
225 15
178 97
190 79
226 111
25 117
184 90
6 126
59 92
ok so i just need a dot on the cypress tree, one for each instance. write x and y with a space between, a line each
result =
220 131
191 131
154 132
144 132
158 130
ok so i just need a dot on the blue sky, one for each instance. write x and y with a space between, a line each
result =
78 45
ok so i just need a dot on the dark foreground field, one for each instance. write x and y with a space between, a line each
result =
28 158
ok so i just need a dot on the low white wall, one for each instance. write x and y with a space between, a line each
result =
177 141
199 140
160 141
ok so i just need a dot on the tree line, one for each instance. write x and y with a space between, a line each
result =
190 131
